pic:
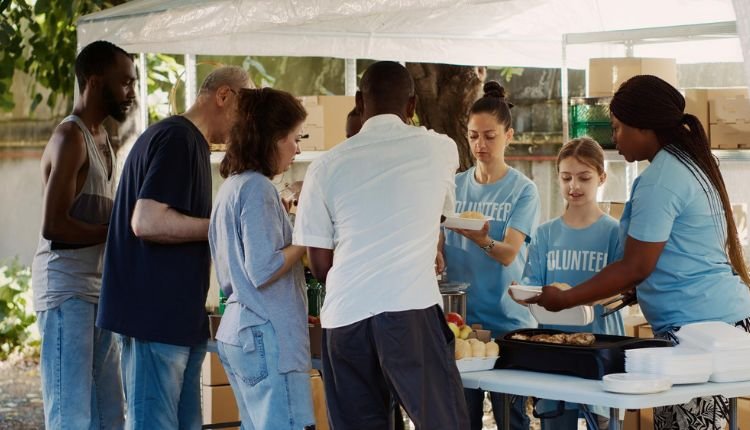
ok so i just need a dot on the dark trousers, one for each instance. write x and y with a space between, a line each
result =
519 420
406 355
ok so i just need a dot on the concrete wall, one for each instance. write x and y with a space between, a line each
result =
20 204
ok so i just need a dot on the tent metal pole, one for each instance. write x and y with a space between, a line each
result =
350 78
564 90
190 80
143 92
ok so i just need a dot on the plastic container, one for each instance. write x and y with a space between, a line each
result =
576 316
606 355
464 223
713 336
475 364
589 117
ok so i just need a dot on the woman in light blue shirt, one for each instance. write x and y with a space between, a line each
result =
681 249
571 249
490 258
263 340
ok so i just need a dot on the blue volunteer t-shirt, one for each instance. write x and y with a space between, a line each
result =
152 291
693 280
559 253
512 202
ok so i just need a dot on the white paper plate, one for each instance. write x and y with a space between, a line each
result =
576 316
635 383
475 364
464 223
524 292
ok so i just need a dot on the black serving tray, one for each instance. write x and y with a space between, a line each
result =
606 355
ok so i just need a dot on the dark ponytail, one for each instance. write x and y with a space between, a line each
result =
493 102
648 102
264 117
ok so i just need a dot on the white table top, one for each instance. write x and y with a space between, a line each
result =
590 392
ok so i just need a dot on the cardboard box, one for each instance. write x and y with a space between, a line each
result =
632 418
729 110
743 413
219 405
614 209
213 325
646 419
606 74
644 331
326 121
319 401
730 136
697 101
212 372
316 340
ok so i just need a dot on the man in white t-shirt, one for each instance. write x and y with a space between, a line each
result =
369 214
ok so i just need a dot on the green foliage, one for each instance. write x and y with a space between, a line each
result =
508 72
16 317
165 96
40 39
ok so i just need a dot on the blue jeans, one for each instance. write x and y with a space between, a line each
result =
475 402
162 384
266 398
80 367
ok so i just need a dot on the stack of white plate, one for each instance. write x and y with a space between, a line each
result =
680 365
635 383
729 347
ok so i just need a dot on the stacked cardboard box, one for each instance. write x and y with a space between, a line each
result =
606 74
724 114
325 125
219 405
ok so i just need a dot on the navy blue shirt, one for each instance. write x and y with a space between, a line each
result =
153 291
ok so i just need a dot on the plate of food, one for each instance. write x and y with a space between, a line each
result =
469 220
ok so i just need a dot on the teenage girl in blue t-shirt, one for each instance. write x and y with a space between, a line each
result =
572 248
490 258
681 247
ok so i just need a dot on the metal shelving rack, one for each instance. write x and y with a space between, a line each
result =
630 38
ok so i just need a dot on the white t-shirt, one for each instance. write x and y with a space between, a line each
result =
376 200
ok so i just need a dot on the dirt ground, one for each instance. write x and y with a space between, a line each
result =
20 395
21 398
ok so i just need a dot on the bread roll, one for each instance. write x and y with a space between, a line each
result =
478 349
463 350
472 215
491 349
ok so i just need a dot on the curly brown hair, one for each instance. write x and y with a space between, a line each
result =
264 117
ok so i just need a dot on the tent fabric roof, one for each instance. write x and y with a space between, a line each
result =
472 32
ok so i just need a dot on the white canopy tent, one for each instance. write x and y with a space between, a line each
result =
529 33
471 32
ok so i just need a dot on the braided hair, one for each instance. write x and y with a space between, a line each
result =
650 103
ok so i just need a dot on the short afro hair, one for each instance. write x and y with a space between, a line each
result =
95 59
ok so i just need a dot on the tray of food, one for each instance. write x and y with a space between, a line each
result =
585 355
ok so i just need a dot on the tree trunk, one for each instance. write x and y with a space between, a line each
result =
445 94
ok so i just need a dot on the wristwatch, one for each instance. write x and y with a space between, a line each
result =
487 248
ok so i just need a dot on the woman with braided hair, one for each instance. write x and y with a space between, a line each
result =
681 255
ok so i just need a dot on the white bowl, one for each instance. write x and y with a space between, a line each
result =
524 292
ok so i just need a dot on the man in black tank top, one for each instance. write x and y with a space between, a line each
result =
79 362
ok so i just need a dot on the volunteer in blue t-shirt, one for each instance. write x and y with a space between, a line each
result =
571 249
491 258
681 247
